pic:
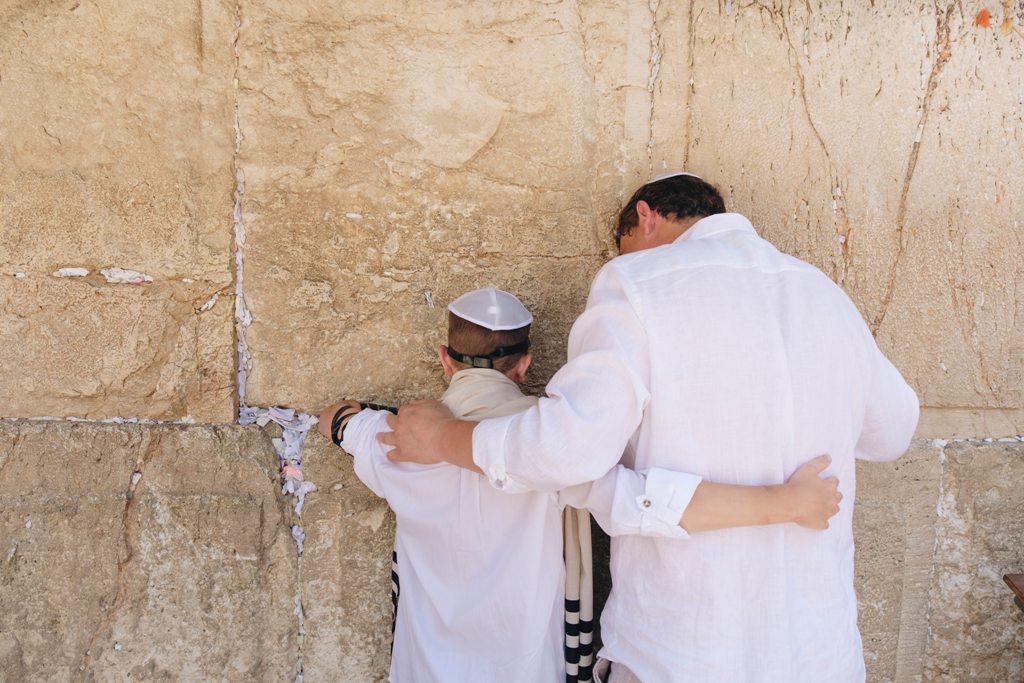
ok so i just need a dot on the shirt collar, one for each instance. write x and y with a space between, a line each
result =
715 225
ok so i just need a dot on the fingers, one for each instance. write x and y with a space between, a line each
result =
819 463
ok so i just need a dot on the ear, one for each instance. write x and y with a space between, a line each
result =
446 360
647 218
518 373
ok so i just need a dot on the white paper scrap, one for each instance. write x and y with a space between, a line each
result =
71 272
299 535
209 304
123 276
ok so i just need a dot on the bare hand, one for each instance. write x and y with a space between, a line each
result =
815 499
417 433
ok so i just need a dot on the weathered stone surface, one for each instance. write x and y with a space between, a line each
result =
882 145
118 137
84 348
977 632
894 528
117 128
490 150
143 553
346 572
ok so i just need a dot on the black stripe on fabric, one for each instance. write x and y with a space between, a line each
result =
572 657
587 625
394 595
572 605
586 649
572 629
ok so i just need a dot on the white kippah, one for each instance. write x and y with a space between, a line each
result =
491 308
673 174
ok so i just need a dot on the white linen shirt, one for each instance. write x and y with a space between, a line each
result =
481 574
721 356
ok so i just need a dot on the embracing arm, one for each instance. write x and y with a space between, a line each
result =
806 499
659 502
573 435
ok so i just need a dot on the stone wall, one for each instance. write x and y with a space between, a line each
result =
213 204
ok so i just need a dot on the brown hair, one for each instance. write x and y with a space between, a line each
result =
676 198
471 339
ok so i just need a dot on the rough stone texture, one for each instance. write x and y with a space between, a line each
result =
894 527
85 348
346 572
977 632
935 532
456 167
189 574
393 153
882 144
117 151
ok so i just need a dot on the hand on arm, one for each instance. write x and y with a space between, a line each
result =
427 433
806 499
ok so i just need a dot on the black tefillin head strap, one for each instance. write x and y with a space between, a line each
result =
488 360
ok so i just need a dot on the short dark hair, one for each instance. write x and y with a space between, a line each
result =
676 198
471 339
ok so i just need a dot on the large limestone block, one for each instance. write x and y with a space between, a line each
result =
894 530
82 347
396 149
117 130
346 572
881 143
977 633
143 553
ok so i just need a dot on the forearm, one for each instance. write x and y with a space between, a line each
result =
721 506
456 442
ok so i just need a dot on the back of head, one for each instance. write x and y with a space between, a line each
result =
488 328
675 196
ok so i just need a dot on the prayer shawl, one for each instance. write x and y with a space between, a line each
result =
579 597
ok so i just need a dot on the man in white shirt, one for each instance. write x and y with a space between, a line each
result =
704 349
481 572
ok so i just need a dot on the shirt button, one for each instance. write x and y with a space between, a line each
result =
646 503
500 483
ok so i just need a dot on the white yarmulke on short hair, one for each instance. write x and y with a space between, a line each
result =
491 308
673 174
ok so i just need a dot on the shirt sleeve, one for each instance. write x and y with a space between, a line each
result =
361 442
891 413
594 403
623 501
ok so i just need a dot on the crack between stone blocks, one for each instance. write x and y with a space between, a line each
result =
943 46
941 445
581 31
152 444
243 317
288 448
968 325
654 68
840 215
690 83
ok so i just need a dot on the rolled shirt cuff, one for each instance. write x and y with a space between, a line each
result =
489 455
666 495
